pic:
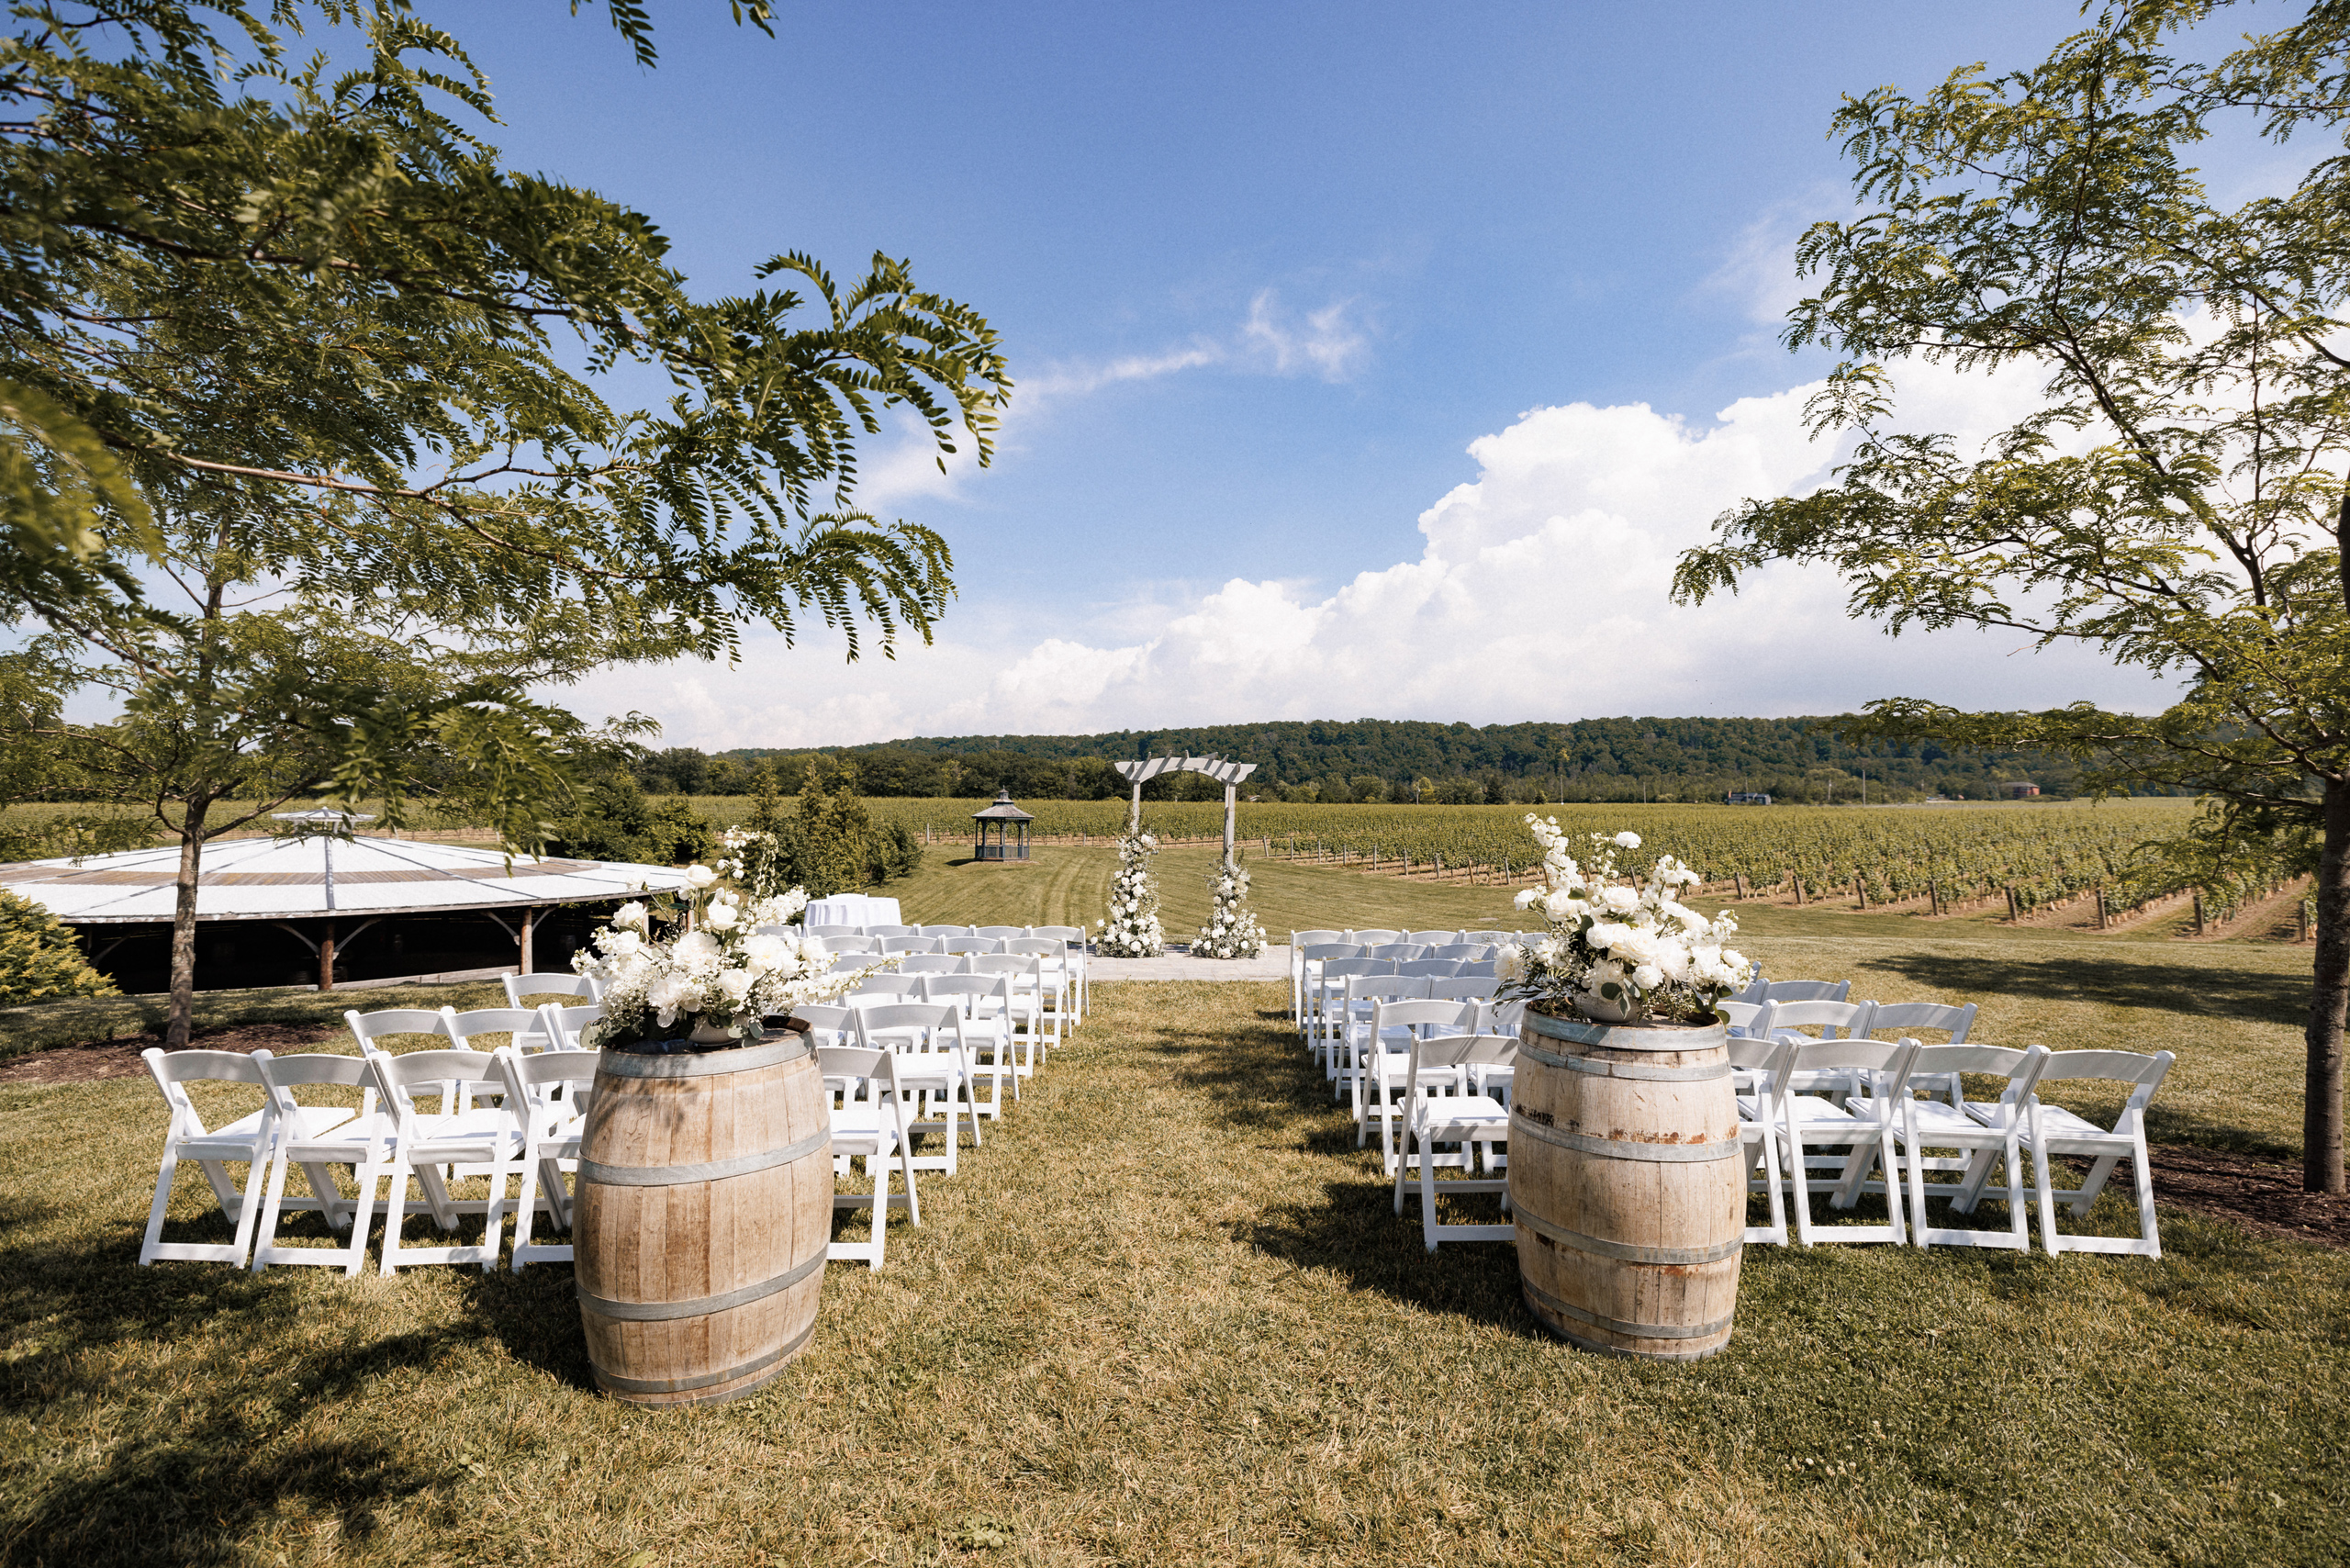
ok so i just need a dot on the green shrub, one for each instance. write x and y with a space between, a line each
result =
39 959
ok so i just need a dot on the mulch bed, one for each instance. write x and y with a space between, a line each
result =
94 1060
2264 1196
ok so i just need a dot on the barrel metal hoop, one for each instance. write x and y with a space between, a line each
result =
1624 1251
708 1380
605 1175
1617 1325
703 1064
1520 1125
1706 1073
1621 1037
699 1306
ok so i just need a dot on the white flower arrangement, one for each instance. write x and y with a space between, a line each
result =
725 969
1232 931
1616 950
755 861
1131 930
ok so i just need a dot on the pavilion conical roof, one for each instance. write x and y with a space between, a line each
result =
314 876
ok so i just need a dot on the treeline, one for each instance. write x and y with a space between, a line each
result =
1381 760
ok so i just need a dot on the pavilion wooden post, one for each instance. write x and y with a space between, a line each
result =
325 959
527 966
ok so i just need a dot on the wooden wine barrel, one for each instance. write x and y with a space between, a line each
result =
1627 1184
705 1206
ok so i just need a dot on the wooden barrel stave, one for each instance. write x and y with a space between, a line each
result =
1628 1186
706 1207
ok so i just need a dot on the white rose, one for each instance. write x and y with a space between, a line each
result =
1619 900
1648 977
1626 841
1564 904
1605 933
699 877
695 949
721 917
629 917
734 985
622 944
765 955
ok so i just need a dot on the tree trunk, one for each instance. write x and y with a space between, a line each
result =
2322 1094
184 929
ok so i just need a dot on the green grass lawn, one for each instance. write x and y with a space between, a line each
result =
1167 1316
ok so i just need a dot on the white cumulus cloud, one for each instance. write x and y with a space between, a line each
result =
1541 591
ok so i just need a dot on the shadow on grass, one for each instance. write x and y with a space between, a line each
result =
2175 985
189 1482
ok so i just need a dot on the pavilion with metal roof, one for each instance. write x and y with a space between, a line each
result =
324 888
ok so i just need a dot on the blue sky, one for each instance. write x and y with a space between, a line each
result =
1374 360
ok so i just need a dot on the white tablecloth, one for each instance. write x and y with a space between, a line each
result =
852 909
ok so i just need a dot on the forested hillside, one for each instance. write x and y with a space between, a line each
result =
1382 760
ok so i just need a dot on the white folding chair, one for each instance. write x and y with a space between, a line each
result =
1327 1000
249 1140
561 1025
551 984
999 933
1797 990
1054 981
337 1137
1433 1113
985 1003
884 933
524 1026
873 989
1073 939
849 946
1387 1060
1906 1018
1982 1132
2052 1129
1299 941
369 1027
1463 952
1430 968
462 1133
1372 938
933 964
1834 1020
831 932
1489 938
895 945
1358 1021
1431 938
1863 1127
869 1114
1306 967
1762 1063
1026 974
971 944
1394 952
1750 1019
933 1066
547 1095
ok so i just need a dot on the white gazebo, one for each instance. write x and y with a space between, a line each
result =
324 887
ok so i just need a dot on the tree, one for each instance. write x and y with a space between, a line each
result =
287 345
2176 498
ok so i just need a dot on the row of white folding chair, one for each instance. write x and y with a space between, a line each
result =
1382 1044
1036 986
1915 1100
387 1138
1332 1001
1070 955
1299 941
1327 975
1349 1019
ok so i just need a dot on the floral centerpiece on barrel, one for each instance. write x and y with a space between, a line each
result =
716 979
1131 930
1620 949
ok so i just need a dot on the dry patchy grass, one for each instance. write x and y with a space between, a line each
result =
1166 1316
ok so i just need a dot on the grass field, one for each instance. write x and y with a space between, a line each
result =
1167 1316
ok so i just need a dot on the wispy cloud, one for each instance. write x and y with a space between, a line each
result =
1331 345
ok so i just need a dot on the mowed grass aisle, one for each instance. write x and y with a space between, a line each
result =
1166 1316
